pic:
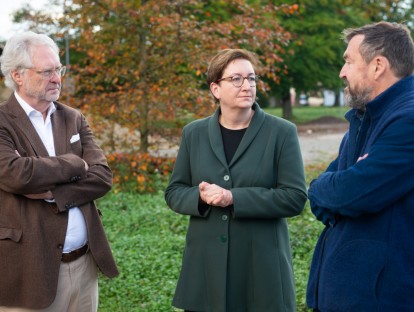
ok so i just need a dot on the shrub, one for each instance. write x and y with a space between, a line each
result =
141 173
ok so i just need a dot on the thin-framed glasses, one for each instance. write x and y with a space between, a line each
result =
238 80
47 74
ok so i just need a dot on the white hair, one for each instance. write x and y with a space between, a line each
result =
18 52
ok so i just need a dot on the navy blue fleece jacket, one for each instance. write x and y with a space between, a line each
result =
364 258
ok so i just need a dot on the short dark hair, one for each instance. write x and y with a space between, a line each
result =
390 40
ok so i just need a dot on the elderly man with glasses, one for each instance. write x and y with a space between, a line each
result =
51 170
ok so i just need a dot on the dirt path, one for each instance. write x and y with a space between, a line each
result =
320 141
319 147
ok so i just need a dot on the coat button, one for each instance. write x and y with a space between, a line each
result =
224 217
60 246
223 238
226 178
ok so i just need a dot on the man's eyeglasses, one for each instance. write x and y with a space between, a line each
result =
47 74
238 80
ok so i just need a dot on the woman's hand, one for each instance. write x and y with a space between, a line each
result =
215 195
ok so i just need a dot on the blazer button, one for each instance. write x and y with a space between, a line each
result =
224 217
75 179
226 177
223 238
60 246
70 205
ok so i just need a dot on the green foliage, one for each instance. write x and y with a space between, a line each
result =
317 49
148 238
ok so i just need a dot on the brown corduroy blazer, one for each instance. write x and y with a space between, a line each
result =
32 232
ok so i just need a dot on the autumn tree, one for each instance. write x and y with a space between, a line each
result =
144 62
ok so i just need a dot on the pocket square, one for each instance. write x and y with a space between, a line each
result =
74 138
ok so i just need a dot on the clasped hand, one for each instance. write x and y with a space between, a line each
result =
215 195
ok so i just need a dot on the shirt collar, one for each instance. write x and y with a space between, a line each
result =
28 109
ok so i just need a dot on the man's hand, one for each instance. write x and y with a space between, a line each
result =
215 195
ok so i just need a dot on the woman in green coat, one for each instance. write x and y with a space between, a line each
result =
238 175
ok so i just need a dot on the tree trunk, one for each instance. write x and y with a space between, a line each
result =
337 95
286 108
143 128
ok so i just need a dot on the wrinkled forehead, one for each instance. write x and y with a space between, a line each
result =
44 57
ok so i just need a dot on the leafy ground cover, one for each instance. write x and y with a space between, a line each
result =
147 239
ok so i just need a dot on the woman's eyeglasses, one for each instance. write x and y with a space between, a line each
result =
238 80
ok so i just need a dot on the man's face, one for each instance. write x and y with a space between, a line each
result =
36 87
355 74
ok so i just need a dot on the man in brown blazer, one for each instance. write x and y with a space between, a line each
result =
51 170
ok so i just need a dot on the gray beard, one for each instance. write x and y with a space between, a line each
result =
357 100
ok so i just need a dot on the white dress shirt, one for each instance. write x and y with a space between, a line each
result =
76 233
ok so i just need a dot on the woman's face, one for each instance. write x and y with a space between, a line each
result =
230 95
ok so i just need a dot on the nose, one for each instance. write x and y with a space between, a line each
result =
56 77
245 84
342 73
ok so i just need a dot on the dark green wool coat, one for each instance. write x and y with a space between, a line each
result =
238 259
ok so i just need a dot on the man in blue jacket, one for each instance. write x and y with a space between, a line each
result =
364 258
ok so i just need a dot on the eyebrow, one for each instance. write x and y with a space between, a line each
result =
250 73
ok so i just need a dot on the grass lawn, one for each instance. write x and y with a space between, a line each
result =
304 114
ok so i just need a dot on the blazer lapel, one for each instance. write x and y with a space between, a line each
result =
59 131
23 122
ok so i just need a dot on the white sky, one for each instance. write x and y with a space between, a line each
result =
7 27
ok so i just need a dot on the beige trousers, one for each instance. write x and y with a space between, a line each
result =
77 288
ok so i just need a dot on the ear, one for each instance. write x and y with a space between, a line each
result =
17 77
215 90
381 66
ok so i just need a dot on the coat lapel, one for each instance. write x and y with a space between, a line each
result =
216 140
251 132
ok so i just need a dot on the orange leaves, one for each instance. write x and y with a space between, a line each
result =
290 9
142 64
294 8
141 178
137 172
